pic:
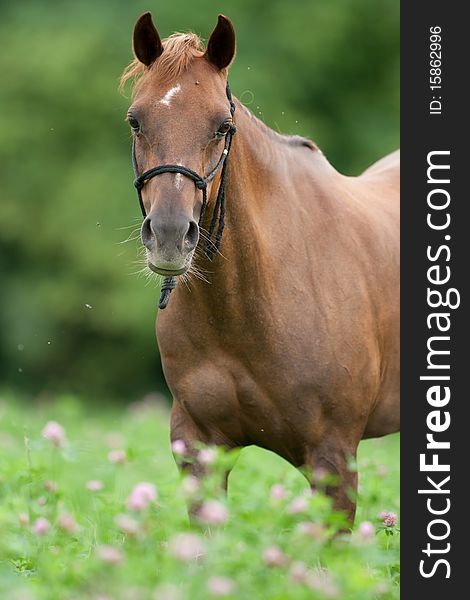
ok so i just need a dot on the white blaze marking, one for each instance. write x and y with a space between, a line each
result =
178 178
169 95
178 181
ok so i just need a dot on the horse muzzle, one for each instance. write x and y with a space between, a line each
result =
170 243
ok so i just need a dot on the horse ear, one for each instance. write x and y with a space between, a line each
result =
221 46
146 41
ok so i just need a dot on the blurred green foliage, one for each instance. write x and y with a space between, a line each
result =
327 69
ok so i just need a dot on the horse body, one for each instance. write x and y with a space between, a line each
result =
293 345
292 342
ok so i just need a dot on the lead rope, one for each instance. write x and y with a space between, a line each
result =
211 247
168 285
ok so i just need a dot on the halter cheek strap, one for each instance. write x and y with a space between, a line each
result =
212 244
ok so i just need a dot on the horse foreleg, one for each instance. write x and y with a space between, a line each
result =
184 429
329 472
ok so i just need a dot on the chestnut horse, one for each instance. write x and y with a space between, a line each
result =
289 337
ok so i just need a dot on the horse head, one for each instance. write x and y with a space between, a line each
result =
181 119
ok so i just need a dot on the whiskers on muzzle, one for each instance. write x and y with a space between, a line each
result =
194 271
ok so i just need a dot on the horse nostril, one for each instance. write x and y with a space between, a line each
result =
192 236
146 233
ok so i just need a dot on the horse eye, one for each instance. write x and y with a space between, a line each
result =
134 123
224 128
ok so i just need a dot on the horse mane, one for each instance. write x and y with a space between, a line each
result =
179 50
291 140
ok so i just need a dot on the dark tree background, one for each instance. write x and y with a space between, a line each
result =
73 317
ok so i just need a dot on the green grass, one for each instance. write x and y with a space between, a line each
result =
69 565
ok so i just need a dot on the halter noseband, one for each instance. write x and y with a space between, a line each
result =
211 247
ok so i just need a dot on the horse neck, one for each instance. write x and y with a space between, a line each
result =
257 166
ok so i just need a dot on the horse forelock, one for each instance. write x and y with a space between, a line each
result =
179 50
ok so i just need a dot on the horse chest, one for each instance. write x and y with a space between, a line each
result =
244 403
270 384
